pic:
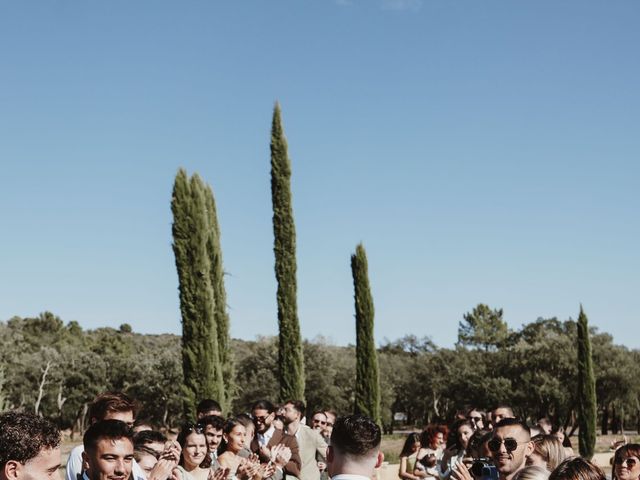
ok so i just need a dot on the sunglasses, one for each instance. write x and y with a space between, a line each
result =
319 422
194 427
510 444
630 461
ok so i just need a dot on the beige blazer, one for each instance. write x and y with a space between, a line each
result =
312 446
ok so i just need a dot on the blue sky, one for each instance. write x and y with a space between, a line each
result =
483 151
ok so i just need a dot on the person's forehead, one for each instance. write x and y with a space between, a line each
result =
513 431
49 457
105 445
319 416
126 417
212 429
501 411
260 412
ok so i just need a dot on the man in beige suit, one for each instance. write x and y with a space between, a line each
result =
311 444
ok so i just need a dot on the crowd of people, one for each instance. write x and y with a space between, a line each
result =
496 445
274 442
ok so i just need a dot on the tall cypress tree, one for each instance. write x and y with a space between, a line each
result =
200 356
214 250
290 356
367 395
586 390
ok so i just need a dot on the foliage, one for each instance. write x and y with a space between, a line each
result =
200 355
221 316
536 372
290 354
483 328
586 390
367 398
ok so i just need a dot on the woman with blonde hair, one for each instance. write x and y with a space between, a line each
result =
532 472
548 452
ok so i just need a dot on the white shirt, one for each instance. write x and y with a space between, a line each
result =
348 476
263 438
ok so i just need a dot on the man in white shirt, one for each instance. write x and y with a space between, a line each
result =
354 453
267 436
106 406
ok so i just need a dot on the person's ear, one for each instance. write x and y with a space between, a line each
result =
528 449
85 460
380 459
12 470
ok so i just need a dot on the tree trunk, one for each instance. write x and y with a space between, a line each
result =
605 419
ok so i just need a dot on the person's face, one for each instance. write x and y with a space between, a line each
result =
194 450
415 447
475 418
508 462
262 419
559 435
439 440
319 422
235 438
499 414
464 434
290 414
536 460
126 417
331 419
147 462
213 436
249 432
111 459
43 466
627 467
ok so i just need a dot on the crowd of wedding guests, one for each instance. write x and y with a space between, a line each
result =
274 442
495 445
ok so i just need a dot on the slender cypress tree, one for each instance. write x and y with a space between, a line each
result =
586 390
367 395
200 357
214 250
290 356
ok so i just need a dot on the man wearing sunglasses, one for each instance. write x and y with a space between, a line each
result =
510 446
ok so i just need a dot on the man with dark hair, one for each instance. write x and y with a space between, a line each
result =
208 407
501 412
108 451
331 419
106 406
354 453
263 413
510 446
213 425
29 447
312 446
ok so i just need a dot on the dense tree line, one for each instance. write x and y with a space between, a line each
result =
57 368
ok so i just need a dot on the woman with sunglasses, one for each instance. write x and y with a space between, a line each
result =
195 459
626 462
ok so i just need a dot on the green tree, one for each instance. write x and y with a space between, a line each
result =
367 398
586 390
290 353
483 328
214 249
200 356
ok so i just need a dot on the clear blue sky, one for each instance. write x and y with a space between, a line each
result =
483 151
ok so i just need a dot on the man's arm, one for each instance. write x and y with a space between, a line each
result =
295 463
321 446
